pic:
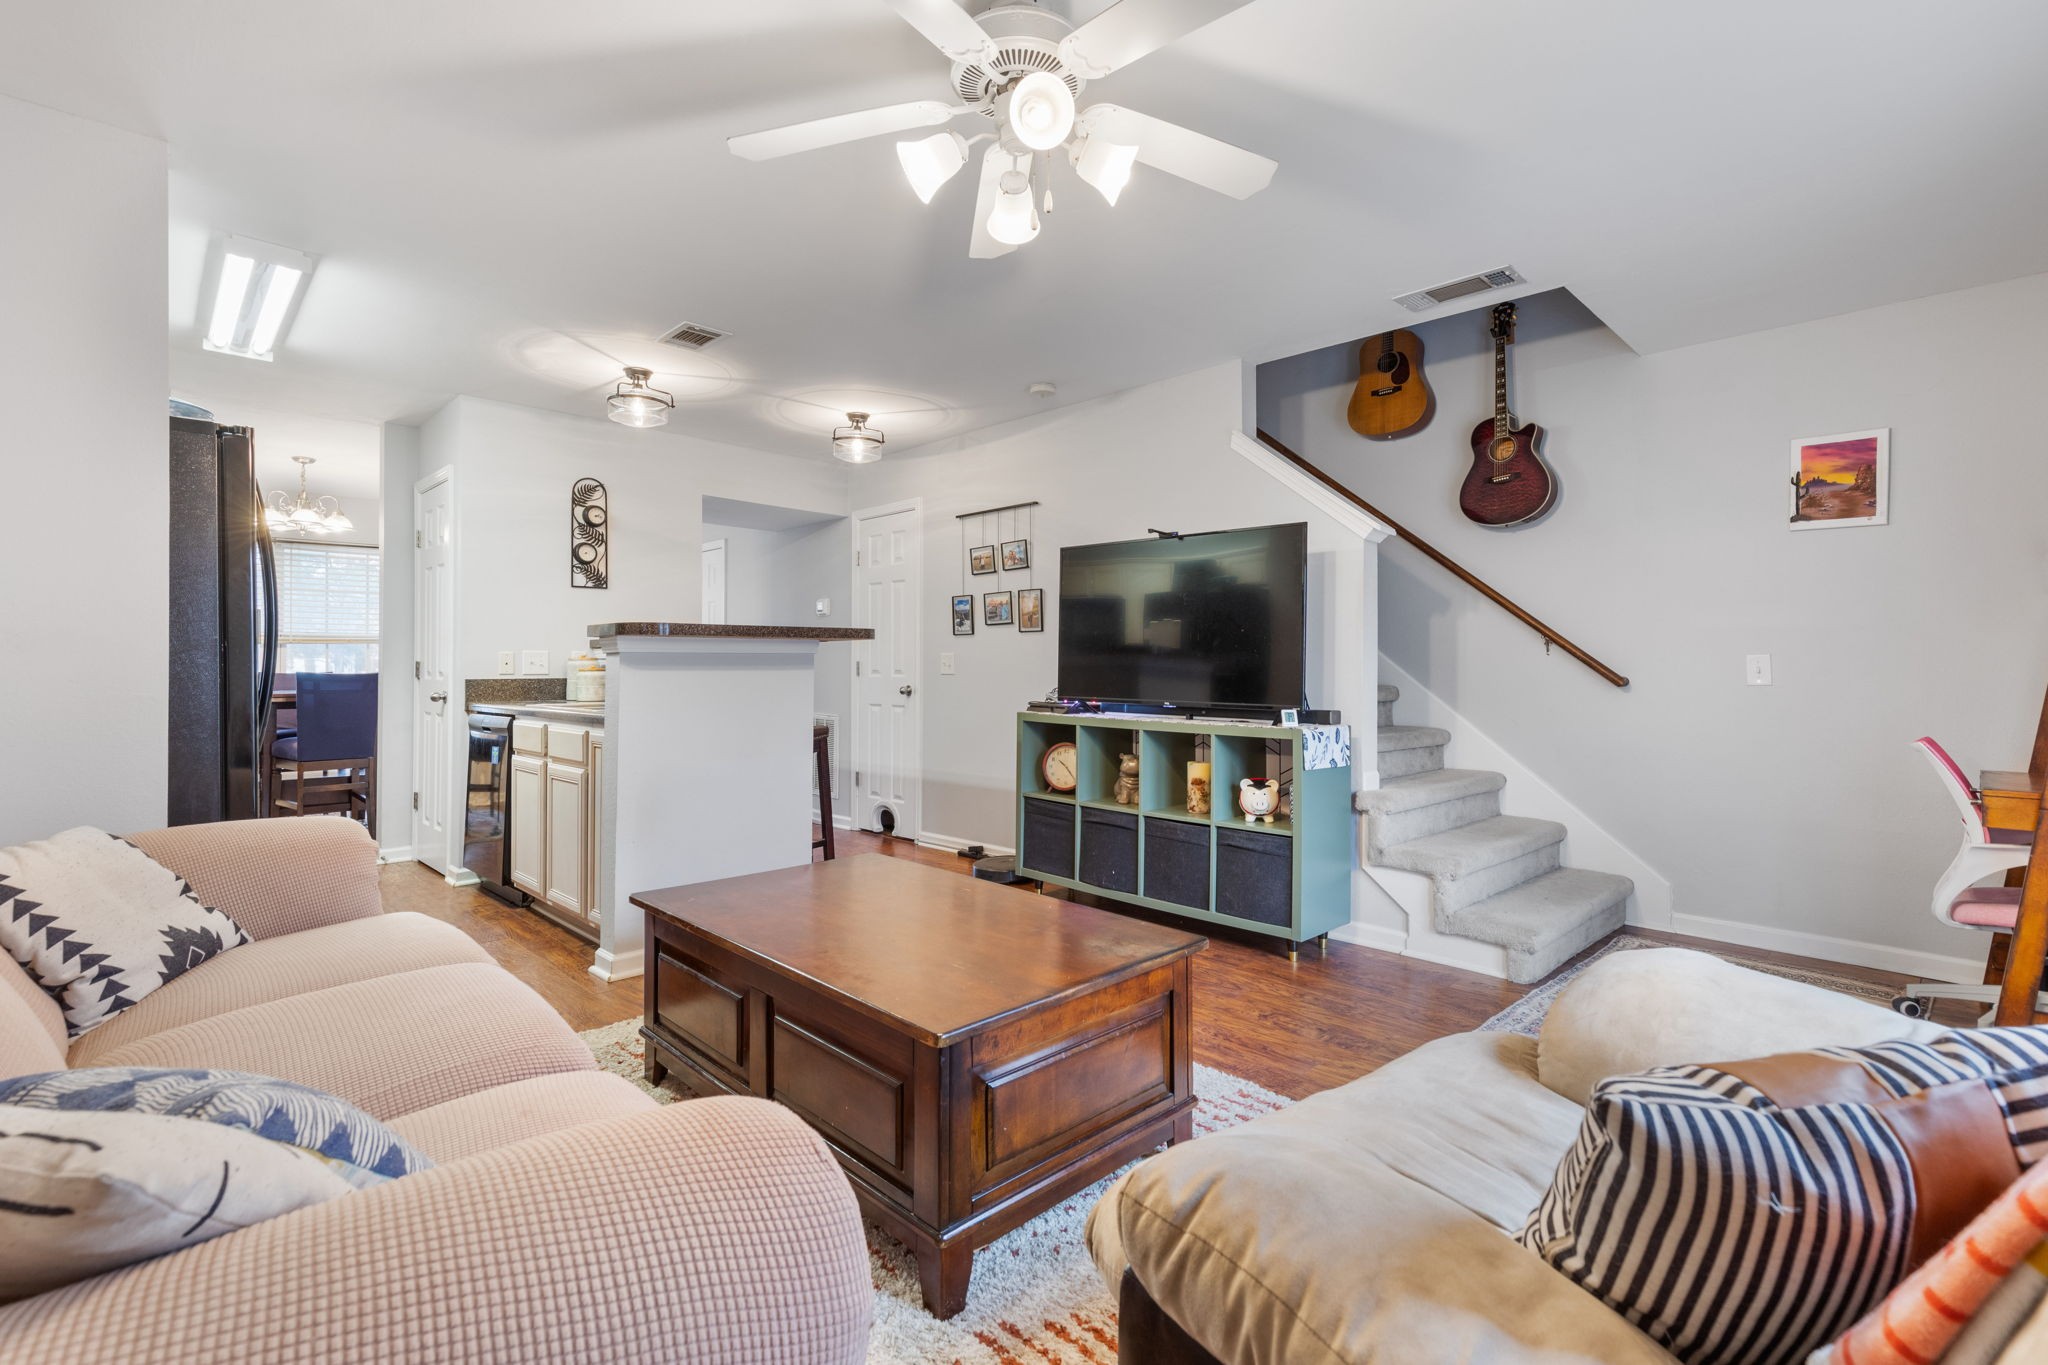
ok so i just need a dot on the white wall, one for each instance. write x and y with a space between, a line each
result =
1794 815
84 615
399 463
1157 456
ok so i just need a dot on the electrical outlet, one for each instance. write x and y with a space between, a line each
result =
1758 670
946 664
505 669
533 662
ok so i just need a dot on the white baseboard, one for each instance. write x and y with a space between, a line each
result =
395 855
617 966
1910 961
1380 936
955 845
461 876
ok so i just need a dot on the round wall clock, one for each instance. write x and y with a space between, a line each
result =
1061 767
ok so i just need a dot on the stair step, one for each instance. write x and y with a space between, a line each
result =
1472 848
1545 921
1426 789
1394 737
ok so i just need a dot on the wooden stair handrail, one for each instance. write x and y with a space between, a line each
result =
1550 637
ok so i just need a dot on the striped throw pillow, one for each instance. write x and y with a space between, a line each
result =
1747 1212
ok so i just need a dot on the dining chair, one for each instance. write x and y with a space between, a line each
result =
330 765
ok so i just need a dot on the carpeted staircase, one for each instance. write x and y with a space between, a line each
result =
1495 878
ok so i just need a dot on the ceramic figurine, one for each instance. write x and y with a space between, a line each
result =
1126 792
1258 799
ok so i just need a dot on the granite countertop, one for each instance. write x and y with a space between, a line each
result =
686 630
570 712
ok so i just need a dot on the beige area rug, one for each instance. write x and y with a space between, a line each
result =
1035 1296
1525 1016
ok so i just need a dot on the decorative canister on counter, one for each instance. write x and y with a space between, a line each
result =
586 677
1198 788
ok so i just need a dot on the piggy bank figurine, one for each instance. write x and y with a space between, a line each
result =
1126 792
1258 800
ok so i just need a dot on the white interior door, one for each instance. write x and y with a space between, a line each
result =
885 701
714 583
433 673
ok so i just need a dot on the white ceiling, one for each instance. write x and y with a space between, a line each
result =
510 197
760 516
347 455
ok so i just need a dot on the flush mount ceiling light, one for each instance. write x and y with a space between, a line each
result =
636 402
1021 68
857 443
256 292
304 515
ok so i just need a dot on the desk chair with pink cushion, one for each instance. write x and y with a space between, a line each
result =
1958 900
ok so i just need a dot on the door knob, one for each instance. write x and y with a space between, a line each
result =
904 690
437 696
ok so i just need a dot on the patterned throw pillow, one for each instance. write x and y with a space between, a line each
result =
358 1148
82 1193
99 924
1747 1212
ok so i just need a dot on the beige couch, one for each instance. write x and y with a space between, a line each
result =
569 1216
1374 1222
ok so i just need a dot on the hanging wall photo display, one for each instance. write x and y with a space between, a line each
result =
1030 609
995 608
1006 531
963 613
1016 555
981 559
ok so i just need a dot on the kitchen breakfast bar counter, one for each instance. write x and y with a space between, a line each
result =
708 761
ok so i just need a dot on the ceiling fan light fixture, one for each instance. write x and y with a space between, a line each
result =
637 403
1040 111
857 442
930 162
1104 164
1013 221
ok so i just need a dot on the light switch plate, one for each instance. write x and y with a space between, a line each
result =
533 662
824 606
1757 668
946 664
505 669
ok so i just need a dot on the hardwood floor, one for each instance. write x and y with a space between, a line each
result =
1295 1028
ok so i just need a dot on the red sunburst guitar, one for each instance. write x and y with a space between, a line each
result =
1508 483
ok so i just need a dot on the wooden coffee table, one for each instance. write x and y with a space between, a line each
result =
972 1053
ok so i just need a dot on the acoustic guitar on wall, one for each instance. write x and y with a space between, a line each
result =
1508 483
1392 398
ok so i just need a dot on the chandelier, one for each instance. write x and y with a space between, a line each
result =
304 515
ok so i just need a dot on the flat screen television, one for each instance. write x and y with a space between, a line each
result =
1213 620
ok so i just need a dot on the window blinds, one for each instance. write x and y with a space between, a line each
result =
327 594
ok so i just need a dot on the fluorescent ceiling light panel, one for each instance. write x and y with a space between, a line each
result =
257 291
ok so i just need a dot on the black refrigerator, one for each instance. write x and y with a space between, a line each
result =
223 624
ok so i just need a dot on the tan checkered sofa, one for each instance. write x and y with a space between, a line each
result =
569 1217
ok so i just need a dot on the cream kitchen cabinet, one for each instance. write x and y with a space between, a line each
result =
554 809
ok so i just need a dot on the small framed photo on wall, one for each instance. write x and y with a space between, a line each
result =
995 608
981 559
1842 480
1016 554
1030 609
963 614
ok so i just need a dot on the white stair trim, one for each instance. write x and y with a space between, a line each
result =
1340 510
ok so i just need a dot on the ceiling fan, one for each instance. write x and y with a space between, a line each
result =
1022 68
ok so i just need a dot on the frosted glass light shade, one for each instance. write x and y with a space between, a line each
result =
1041 111
930 162
1106 165
1013 221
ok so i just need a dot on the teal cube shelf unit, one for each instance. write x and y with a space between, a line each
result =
1290 880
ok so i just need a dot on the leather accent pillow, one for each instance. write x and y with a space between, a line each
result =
99 924
1748 1212
355 1146
83 1192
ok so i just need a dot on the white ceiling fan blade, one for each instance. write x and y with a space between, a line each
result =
830 132
946 27
1130 29
980 245
1182 151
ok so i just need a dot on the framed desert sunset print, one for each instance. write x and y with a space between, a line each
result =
1841 480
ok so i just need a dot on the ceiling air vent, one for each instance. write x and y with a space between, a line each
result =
691 336
1422 300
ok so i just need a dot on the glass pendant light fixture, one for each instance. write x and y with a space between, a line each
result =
1104 164
857 443
1014 221
305 515
931 161
637 403
1039 111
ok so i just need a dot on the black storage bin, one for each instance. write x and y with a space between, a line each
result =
1109 849
1177 862
1255 876
1048 838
